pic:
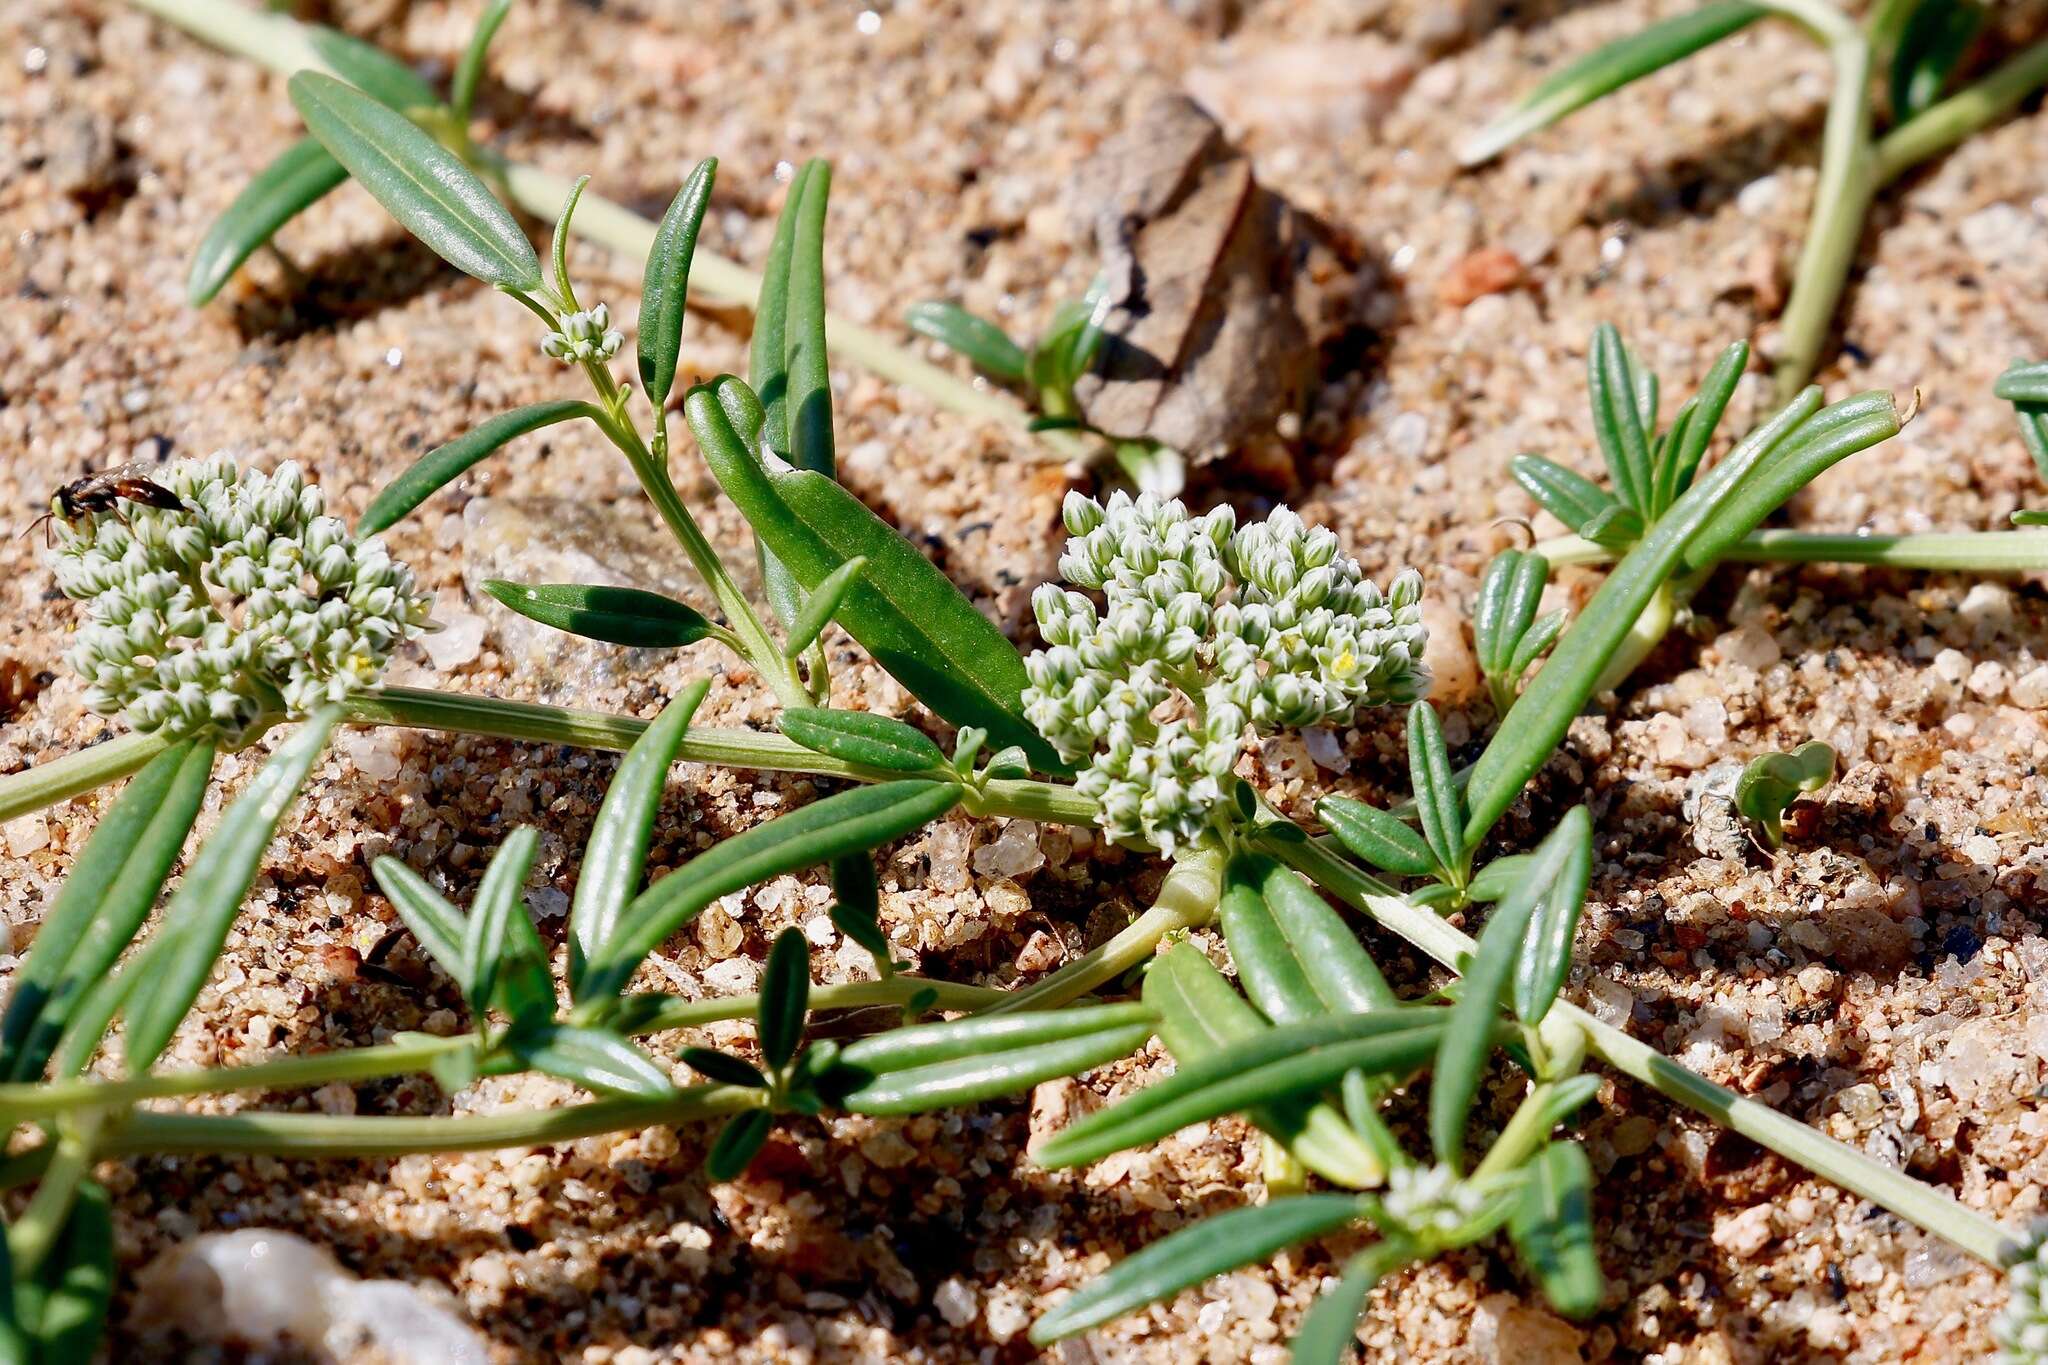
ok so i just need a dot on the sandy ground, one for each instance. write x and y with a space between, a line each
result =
1875 980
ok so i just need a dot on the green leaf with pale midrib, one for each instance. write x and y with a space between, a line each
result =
418 181
302 175
444 463
617 616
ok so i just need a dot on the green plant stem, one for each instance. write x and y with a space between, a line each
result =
1922 1205
281 44
1841 200
62 778
318 1135
23 1101
1187 900
32 1235
1526 1131
1939 127
2017 551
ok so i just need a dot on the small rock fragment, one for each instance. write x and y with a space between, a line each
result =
1489 270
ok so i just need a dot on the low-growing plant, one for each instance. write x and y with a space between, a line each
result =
1902 59
1179 639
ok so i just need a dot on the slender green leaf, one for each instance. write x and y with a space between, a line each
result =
470 70
1615 527
857 908
558 246
418 181
496 914
1836 432
434 923
2015 385
1566 1096
103 904
445 463
1601 73
809 412
169 974
1507 600
1564 684
1699 419
302 175
768 354
1378 837
849 822
372 70
988 346
1288 1060
1539 637
1569 496
1770 783
1345 978
1293 953
862 737
997 1064
1470 1038
1329 1330
1498 878
737 1144
1207 1247
984 1035
1546 954
2030 516
615 858
665 290
593 1059
2023 383
821 606
1552 1229
617 616
1436 794
906 613
723 1068
785 997
1936 39
75 1283
1201 1015
1618 424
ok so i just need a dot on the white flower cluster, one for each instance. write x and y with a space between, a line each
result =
1430 1199
588 335
249 600
2021 1328
1206 629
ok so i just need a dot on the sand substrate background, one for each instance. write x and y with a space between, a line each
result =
1885 980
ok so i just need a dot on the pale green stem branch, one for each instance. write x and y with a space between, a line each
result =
1922 1205
75 773
2015 551
33 1234
1939 127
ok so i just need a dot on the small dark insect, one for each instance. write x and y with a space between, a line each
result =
104 492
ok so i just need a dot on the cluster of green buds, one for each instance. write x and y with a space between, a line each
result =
2021 1329
1206 630
584 336
248 602
1429 1201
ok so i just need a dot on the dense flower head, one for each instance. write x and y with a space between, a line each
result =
2021 1329
248 599
1429 1199
588 335
1205 629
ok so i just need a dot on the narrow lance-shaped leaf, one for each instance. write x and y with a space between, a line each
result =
1569 496
1682 461
768 376
1201 1015
988 346
488 935
1288 1060
856 908
70 1292
1507 603
445 463
1562 687
434 923
723 1068
737 1143
1934 43
2023 382
665 290
1436 794
594 1059
1611 380
818 833
615 857
372 70
1468 1041
1377 836
558 245
1295 957
1546 954
618 616
906 613
936 1066
785 997
1329 1330
1209 1247
809 413
1552 1229
469 71
821 606
103 904
418 181
863 737
1607 70
168 976
302 175
2026 388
